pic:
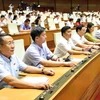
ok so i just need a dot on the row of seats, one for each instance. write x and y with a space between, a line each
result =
19 44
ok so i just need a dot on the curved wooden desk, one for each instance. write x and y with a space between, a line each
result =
80 86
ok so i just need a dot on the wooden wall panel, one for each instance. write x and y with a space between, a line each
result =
61 5
49 3
7 2
1 6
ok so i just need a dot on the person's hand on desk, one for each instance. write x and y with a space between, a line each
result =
86 48
96 47
98 43
69 64
60 59
86 52
44 86
48 72
55 58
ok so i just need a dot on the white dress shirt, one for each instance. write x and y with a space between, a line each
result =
77 39
63 46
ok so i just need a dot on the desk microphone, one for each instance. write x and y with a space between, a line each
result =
68 58
41 98
90 50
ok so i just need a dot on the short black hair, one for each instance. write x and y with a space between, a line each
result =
70 19
28 15
78 20
2 16
37 32
37 20
79 27
15 16
63 30
10 13
27 20
89 25
1 36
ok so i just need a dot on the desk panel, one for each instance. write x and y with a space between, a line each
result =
29 94
77 87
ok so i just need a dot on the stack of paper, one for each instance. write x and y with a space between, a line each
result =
35 79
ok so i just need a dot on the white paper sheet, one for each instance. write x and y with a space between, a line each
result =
76 59
35 79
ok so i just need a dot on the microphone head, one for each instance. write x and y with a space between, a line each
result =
67 59
90 50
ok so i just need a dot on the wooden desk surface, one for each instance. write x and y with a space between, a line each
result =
73 89
29 94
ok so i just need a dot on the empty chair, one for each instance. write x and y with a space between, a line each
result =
57 37
13 29
19 48
61 24
52 26
65 16
50 20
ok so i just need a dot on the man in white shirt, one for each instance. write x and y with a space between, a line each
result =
38 53
70 23
3 20
66 44
79 39
10 66
57 19
11 7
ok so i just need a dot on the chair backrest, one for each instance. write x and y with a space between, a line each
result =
61 24
57 37
52 26
50 20
65 17
3 12
19 48
13 29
